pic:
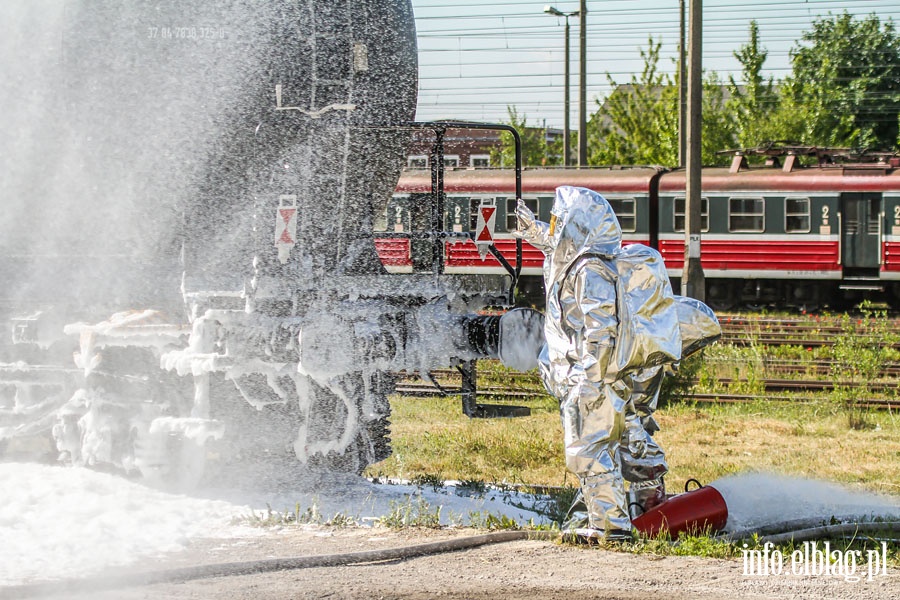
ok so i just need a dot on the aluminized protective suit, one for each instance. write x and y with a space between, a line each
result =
612 326
643 461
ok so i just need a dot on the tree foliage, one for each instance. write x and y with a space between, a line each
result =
753 104
844 88
719 131
638 122
536 150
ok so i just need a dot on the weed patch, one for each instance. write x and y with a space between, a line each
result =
412 513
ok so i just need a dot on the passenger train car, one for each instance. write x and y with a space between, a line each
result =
784 236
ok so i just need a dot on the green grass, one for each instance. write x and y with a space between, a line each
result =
809 439
412 513
818 437
431 438
298 516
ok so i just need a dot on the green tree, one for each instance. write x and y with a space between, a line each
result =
536 150
637 124
719 131
844 88
753 104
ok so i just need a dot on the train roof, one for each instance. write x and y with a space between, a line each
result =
830 178
534 181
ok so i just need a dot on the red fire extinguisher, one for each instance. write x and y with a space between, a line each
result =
700 509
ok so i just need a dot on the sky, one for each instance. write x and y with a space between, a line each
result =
477 57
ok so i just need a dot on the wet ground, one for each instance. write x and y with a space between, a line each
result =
544 570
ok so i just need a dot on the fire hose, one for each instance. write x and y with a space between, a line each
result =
796 531
802 530
254 567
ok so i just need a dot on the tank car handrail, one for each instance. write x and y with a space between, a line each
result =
437 190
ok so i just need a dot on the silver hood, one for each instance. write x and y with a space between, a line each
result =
585 224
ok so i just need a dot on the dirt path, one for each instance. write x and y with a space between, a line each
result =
522 569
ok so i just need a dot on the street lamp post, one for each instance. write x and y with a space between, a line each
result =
567 157
582 81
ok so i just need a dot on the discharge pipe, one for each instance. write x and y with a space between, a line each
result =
514 337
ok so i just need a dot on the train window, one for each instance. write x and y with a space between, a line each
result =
625 212
474 205
480 160
451 160
417 162
395 216
747 214
678 225
796 215
531 203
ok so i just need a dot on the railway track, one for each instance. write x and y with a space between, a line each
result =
771 387
824 368
742 330
784 379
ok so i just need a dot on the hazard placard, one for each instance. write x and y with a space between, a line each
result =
286 226
484 229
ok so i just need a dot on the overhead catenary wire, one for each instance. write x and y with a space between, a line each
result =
473 45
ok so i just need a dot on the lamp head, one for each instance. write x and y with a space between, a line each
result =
552 10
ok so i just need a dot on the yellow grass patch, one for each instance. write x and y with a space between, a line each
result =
432 437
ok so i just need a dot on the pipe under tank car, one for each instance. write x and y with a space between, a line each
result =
189 191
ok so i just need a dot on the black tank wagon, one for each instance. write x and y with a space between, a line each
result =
189 194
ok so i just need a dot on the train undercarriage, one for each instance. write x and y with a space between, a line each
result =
801 295
147 396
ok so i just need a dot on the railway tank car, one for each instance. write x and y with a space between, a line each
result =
189 194
787 236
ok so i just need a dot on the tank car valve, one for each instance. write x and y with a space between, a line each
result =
515 337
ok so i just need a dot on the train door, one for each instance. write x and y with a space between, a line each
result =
861 232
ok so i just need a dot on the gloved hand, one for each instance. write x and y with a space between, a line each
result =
524 217
530 229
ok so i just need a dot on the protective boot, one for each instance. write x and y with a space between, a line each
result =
604 497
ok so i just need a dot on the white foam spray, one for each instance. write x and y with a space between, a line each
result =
62 522
758 499
58 522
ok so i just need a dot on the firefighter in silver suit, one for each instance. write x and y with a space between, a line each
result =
611 329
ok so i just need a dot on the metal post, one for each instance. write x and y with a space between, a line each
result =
437 208
693 283
567 130
682 87
567 156
468 389
582 99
